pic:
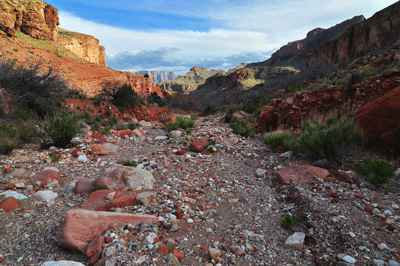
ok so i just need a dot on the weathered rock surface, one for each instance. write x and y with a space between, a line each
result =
80 226
380 121
378 32
300 173
121 178
85 46
34 18
9 204
294 53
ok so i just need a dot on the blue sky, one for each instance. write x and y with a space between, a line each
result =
219 34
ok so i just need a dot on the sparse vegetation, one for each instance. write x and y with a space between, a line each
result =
62 129
377 171
286 140
132 125
331 139
129 163
243 128
290 220
54 156
181 123
33 86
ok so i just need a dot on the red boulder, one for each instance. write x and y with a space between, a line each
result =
199 145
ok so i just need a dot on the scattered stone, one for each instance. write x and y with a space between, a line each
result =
62 263
119 177
167 118
98 149
112 149
295 241
46 195
199 145
261 172
9 204
214 253
138 132
378 262
143 123
302 173
349 259
146 198
18 173
80 226
82 158
84 186
172 260
76 141
125 133
288 154
14 194
175 134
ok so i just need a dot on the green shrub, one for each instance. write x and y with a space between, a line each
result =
125 97
290 220
33 85
189 131
377 171
105 132
62 129
108 112
97 102
332 75
112 121
54 156
9 139
229 113
155 98
340 82
370 72
180 123
129 163
287 140
132 125
243 128
120 125
331 140
100 188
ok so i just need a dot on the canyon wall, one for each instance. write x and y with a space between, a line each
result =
85 46
294 53
34 18
159 76
379 32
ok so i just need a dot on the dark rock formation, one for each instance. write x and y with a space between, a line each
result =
379 32
293 53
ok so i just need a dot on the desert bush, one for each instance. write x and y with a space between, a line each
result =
120 125
105 131
126 97
33 86
370 72
180 123
132 125
63 128
340 82
108 112
9 139
331 140
287 140
290 220
377 171
155 98
229 113
129 163
243 128
112 121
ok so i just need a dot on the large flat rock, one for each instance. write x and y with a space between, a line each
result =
81 226
301 173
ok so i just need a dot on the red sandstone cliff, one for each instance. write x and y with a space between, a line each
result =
379 32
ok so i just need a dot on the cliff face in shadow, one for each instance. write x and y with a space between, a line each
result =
294 53
379 32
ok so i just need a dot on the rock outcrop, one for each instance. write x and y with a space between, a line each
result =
379 32
190 81
85 46
34 18
294 53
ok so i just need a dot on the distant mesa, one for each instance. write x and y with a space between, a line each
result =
159 76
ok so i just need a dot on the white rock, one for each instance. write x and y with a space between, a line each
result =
14 194
295 241
70 188
287 154
145 123
137 133
383 246
46 194
52 168
397 172
82 158
160 138
175 134
76 141
62 263
352 234
378 262
349 259
150 238
395 206
111 147
260 172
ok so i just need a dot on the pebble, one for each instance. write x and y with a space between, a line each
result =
295 241
349 259
16 195
46 195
